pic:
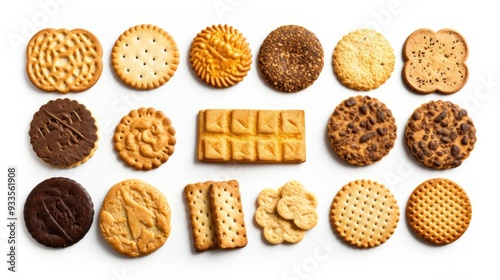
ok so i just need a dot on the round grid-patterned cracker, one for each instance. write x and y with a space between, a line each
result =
145 57
440 134
439 211
363 60
291 58
145 138
364 213
220 56
62 60
362 130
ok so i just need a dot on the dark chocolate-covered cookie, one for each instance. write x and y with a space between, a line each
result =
362 130
63 133
291 58
440 134
58 212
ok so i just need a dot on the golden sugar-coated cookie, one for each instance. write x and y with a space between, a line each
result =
291 58
220 56
435 61
364 213
363 60
362 130
145 57
255 136
63 133
228 215
61 60
135 218
145 138
440 134
439 211
201 216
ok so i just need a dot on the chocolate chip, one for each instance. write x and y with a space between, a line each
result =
440 117
382 131
465 140
367 136
465 127
433 145
350 102
415 116
363 109
381 116
445 140
455 150
351 125
461 114
453 135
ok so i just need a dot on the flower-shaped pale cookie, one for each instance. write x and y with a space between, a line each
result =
298 205
275 228
435 61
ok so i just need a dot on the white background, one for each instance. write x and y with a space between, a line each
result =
320 255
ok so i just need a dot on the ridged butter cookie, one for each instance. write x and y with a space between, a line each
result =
145 57
291 58
220 56
440 134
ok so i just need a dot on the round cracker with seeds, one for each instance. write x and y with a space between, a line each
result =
220 56
364 213
145 57
145 138
435 61
362 130
291 58
439 211
363 60
440 134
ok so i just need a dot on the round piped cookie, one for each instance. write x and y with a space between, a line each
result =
440 134
364 213
362 130
135 218
61 60
439 211
145 138
363 60
220 56
58 212
291 58
63 133
145 57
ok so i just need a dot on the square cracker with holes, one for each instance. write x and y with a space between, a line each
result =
216 215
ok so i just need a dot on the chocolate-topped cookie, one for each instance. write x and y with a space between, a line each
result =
440 134
63 133
291 58
362 130
58 212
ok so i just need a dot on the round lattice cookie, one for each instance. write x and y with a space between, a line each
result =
439 211
145 138
440 134
64 60
220 56
145 57
364 213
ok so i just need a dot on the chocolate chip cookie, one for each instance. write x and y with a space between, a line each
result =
362 130
440 134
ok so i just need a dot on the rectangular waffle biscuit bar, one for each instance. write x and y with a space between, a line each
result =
258 136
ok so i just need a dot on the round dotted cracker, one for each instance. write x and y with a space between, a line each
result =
440 134
220 56
363 60
439 211
364 213
145 57
362 130
145 138
291 58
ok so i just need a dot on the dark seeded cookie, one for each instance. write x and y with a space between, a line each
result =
362 130
440 134
291 58
64 133
58 212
